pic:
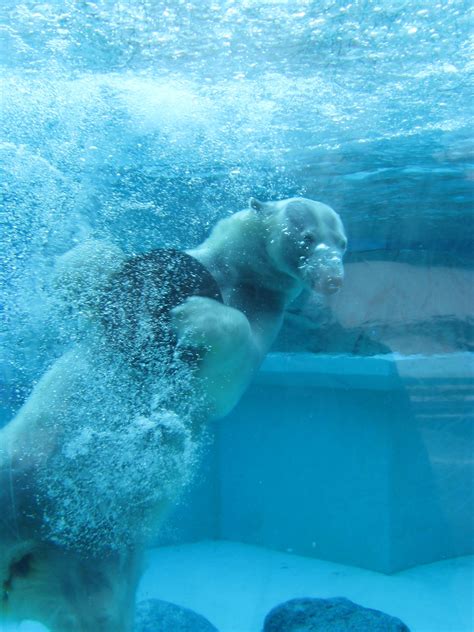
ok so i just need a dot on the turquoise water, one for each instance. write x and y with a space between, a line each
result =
141 124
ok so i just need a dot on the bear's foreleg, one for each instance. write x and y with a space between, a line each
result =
224 341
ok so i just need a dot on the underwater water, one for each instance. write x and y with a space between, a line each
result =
141 123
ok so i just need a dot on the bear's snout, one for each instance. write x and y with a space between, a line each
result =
332 284
324 272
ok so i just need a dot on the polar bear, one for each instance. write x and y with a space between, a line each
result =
262 259
70 538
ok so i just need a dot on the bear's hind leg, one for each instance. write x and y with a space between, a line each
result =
70 593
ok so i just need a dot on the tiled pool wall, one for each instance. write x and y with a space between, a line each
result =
365 461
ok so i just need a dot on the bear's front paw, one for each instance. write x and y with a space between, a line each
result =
207 324
223 341
191 321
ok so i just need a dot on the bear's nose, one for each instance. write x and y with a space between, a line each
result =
332 284
330 272
328 283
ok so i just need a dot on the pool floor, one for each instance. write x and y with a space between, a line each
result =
235 585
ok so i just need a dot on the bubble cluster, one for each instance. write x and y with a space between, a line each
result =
128 445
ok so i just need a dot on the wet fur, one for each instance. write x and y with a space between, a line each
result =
255 257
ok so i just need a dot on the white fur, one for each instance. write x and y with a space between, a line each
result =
261 258
261 262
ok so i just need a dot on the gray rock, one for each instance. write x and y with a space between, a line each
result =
329 615
154 615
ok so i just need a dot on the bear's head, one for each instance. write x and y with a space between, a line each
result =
306 240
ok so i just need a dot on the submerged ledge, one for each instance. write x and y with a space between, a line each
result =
388 371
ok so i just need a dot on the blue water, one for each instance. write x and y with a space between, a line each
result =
143 122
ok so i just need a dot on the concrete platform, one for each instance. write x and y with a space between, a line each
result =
363 461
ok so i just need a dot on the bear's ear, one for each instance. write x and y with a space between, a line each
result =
257 205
